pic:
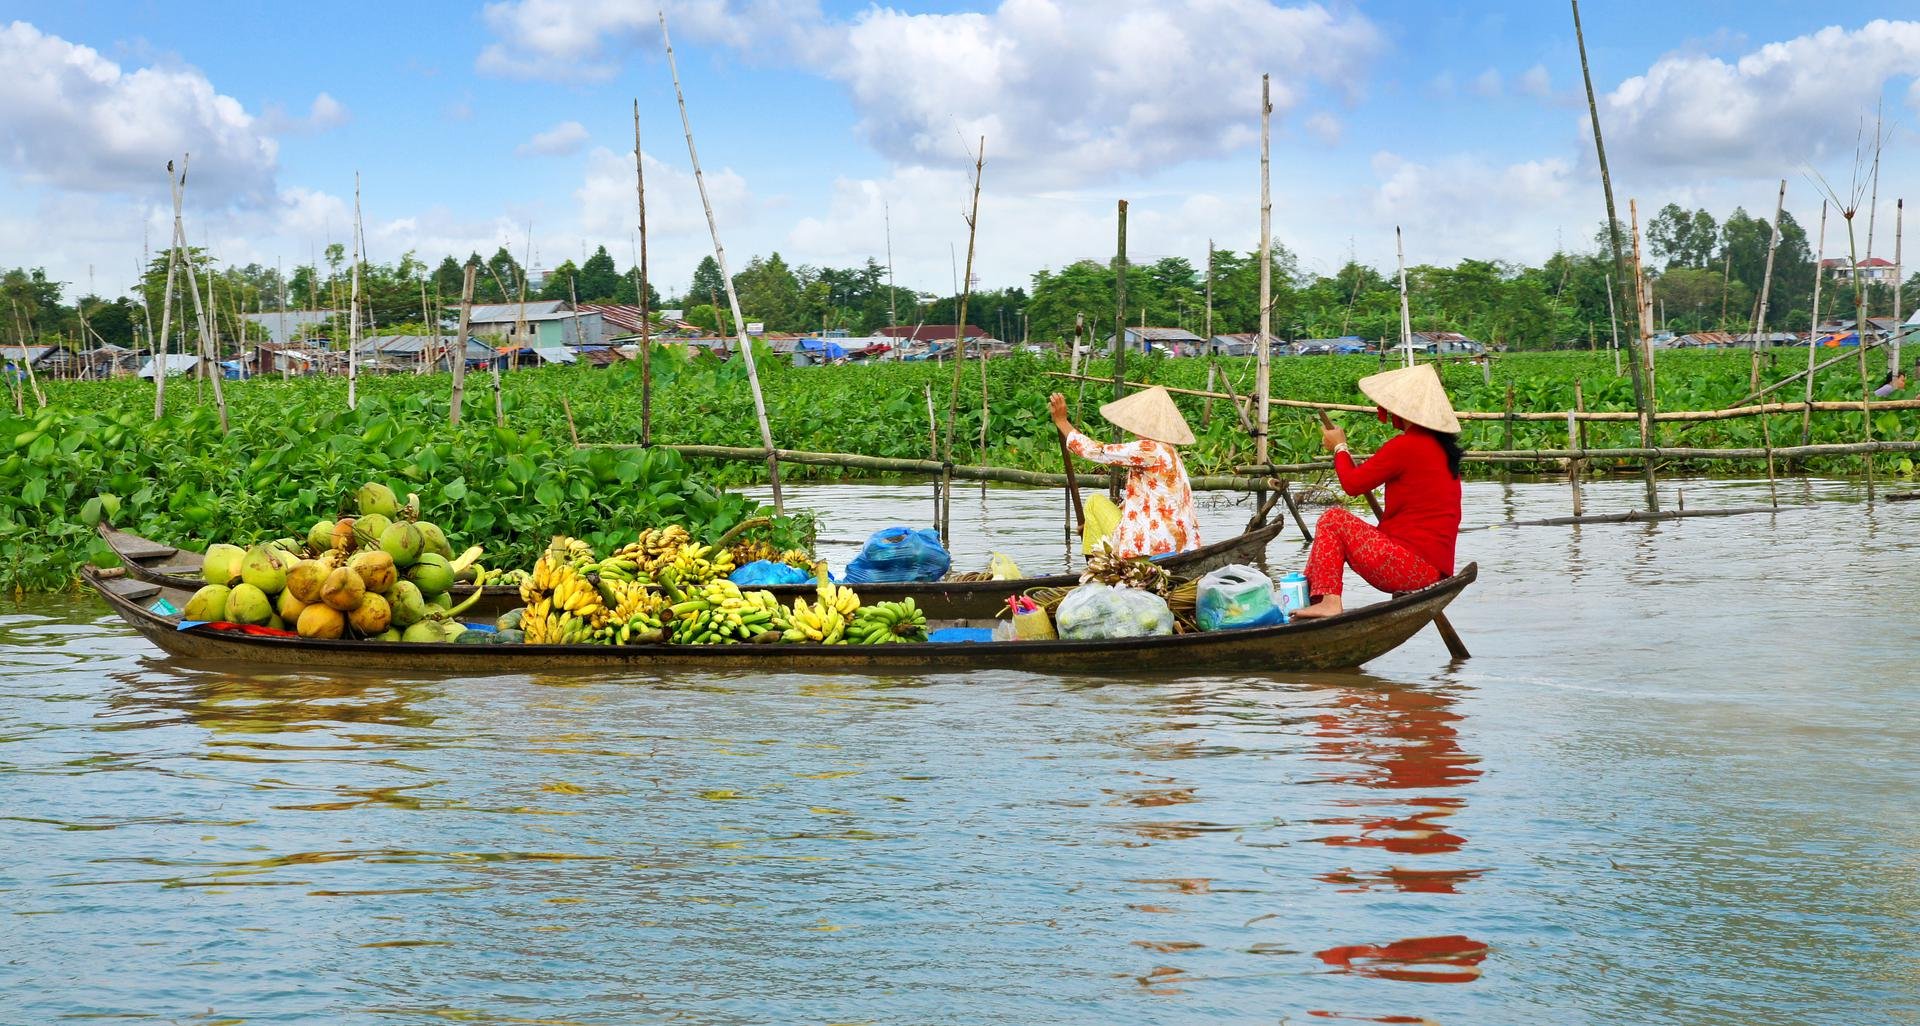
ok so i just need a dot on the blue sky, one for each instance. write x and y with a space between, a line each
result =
467 123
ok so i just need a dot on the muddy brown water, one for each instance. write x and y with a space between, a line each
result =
1675 784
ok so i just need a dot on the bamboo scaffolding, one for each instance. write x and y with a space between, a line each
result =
175 185
200 311
733 296
1406 316
1263 384
1813 329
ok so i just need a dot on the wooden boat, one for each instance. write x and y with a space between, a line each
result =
1348 640
165 565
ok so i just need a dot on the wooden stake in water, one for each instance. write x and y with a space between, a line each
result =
646 314
959 354
1262 374
733 297
353 306
1406 317
1899 325
1813 329
459 400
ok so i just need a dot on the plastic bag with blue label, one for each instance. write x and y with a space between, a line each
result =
900 554
762 573
1236 596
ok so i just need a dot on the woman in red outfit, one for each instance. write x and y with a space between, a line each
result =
1413 545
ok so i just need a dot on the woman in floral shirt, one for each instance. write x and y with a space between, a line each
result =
1157 515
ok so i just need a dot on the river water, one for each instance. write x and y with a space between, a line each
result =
1675 784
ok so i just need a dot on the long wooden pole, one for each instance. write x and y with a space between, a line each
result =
1406 316
1643 304
1813 329
646 315
459 401
1766 279
1613 322
1262 374
1899 325
353 307
1860 327
733 296
1619 259
959 355
1120 305
200 311
175 185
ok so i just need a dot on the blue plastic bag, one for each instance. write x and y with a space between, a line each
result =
900 554
1236 596
763 573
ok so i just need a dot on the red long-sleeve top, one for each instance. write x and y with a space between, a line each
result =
1423 496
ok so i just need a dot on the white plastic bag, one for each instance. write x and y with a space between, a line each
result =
1096 610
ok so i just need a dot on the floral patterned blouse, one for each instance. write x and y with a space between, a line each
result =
1157 514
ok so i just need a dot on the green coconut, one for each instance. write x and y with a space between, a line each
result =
265 567
368 529
434 540
248 604
221 564
432 573
375 498
409 606
439 600
320 536
403 541
423 632
209 603
390 634
372 615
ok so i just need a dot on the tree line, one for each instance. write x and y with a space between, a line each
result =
1705 273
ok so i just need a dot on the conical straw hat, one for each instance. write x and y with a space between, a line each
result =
1415 395
1150 413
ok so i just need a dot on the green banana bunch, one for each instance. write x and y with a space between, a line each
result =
888 622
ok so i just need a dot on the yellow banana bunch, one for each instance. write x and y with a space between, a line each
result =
839 598
698 564
570 551
752 552
796 557
573 593
816 624
537 622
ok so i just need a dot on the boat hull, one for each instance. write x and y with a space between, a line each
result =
164 565
1349 640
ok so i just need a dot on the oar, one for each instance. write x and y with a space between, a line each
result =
1455 647
1079 521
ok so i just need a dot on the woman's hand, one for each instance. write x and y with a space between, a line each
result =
1057 405
1333 437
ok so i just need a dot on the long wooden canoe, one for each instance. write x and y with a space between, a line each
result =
162 564
1348 640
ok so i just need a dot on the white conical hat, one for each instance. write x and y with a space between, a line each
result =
1150 413
1414 394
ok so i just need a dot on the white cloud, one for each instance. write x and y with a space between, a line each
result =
1462 206
1066 89
1536 82
1693 114
70 118
1326 128
584 39
1487 84
562 140
327 112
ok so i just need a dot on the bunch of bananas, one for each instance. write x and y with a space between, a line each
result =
719 613
570 552
820 624
886 622
837 597
635 612
753 552
698 564
546 625
1137 572
510 578
655 547
618 568
796 557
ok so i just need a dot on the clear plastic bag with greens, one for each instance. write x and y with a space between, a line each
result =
1095 611
1236 596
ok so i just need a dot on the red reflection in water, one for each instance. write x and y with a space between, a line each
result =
1413 881
1414 833
1415 1019
1398 738
1450 959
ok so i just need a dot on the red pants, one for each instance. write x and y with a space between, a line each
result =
1341 539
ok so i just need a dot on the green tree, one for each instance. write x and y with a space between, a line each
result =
599 279
770 293
562 282
448 279
707 282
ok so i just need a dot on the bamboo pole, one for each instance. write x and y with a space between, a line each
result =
1576 440
933 452
1119 350
1766 283
1263 382
175 185
646 314
200 312
431 352
1406 317
459 400
353 306
1213 354
26 358
733 296
960 326
1640 388
1643 302
1899 325
1613 321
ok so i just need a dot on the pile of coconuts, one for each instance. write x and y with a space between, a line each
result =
382 575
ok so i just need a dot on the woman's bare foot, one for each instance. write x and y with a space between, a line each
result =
1329 605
